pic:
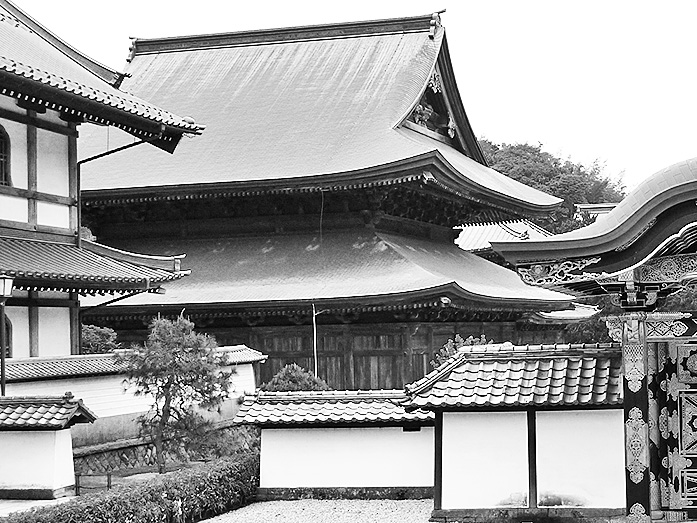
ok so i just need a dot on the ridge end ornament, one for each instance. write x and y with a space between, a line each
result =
554 273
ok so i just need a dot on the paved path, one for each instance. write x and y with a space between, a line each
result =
334 511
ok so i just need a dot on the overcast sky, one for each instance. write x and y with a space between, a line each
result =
612 80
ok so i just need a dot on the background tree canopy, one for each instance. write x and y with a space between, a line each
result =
573 182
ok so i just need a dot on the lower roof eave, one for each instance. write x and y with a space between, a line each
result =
449 296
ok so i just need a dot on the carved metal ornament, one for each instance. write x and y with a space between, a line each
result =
688 422
434 83
614 329
634 366
637 452
665 329
637 514
668 269
555 273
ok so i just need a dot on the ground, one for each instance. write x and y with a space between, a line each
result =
336 511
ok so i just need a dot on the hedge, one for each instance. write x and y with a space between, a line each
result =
184 496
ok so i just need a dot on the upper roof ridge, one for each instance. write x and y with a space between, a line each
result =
286 34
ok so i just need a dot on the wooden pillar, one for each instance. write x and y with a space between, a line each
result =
629 329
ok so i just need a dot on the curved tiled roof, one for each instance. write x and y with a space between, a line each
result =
88 269
307 107
631 218
74 366
38 67
238 354
42 413
338 407
278 269
508 376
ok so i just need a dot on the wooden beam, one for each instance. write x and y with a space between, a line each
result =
438 462
33 325
37 122
32 166
532 459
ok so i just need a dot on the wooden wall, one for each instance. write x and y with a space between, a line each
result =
367 356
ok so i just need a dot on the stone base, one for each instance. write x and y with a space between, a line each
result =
269 494
530 515
37 493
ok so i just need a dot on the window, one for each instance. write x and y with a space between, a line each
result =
4 158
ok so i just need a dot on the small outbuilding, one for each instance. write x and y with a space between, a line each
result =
36 447
526 433
341 443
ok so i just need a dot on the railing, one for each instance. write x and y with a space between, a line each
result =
81 484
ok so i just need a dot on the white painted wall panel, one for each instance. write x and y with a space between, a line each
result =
346 457
52 163
580 457
54 331
19 317
18 143
53 214
14 208
103 395
485 460
36 460
242 379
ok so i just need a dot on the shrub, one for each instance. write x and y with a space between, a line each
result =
293 377
184 496
97 340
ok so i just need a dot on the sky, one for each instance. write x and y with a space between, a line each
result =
590 80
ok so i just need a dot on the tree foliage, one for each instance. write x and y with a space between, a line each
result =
293 377
181 371
97 340
572 182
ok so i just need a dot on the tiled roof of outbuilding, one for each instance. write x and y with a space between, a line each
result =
90 268
39 67
504 375
374 407
42 413
238 354
33 369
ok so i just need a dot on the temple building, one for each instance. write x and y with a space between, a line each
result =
317 211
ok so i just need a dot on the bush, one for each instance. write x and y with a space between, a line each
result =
97 340
293 377
184 496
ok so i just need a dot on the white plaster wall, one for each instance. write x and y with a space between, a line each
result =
346 457
103 395
242 379
19 317
36 460
52 162
14 208
53 214
581 454
54 331
485 459
18 143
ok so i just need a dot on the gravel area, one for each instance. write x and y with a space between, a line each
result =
336 511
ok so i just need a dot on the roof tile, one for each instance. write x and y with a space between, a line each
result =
517 376
329 407
42 413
